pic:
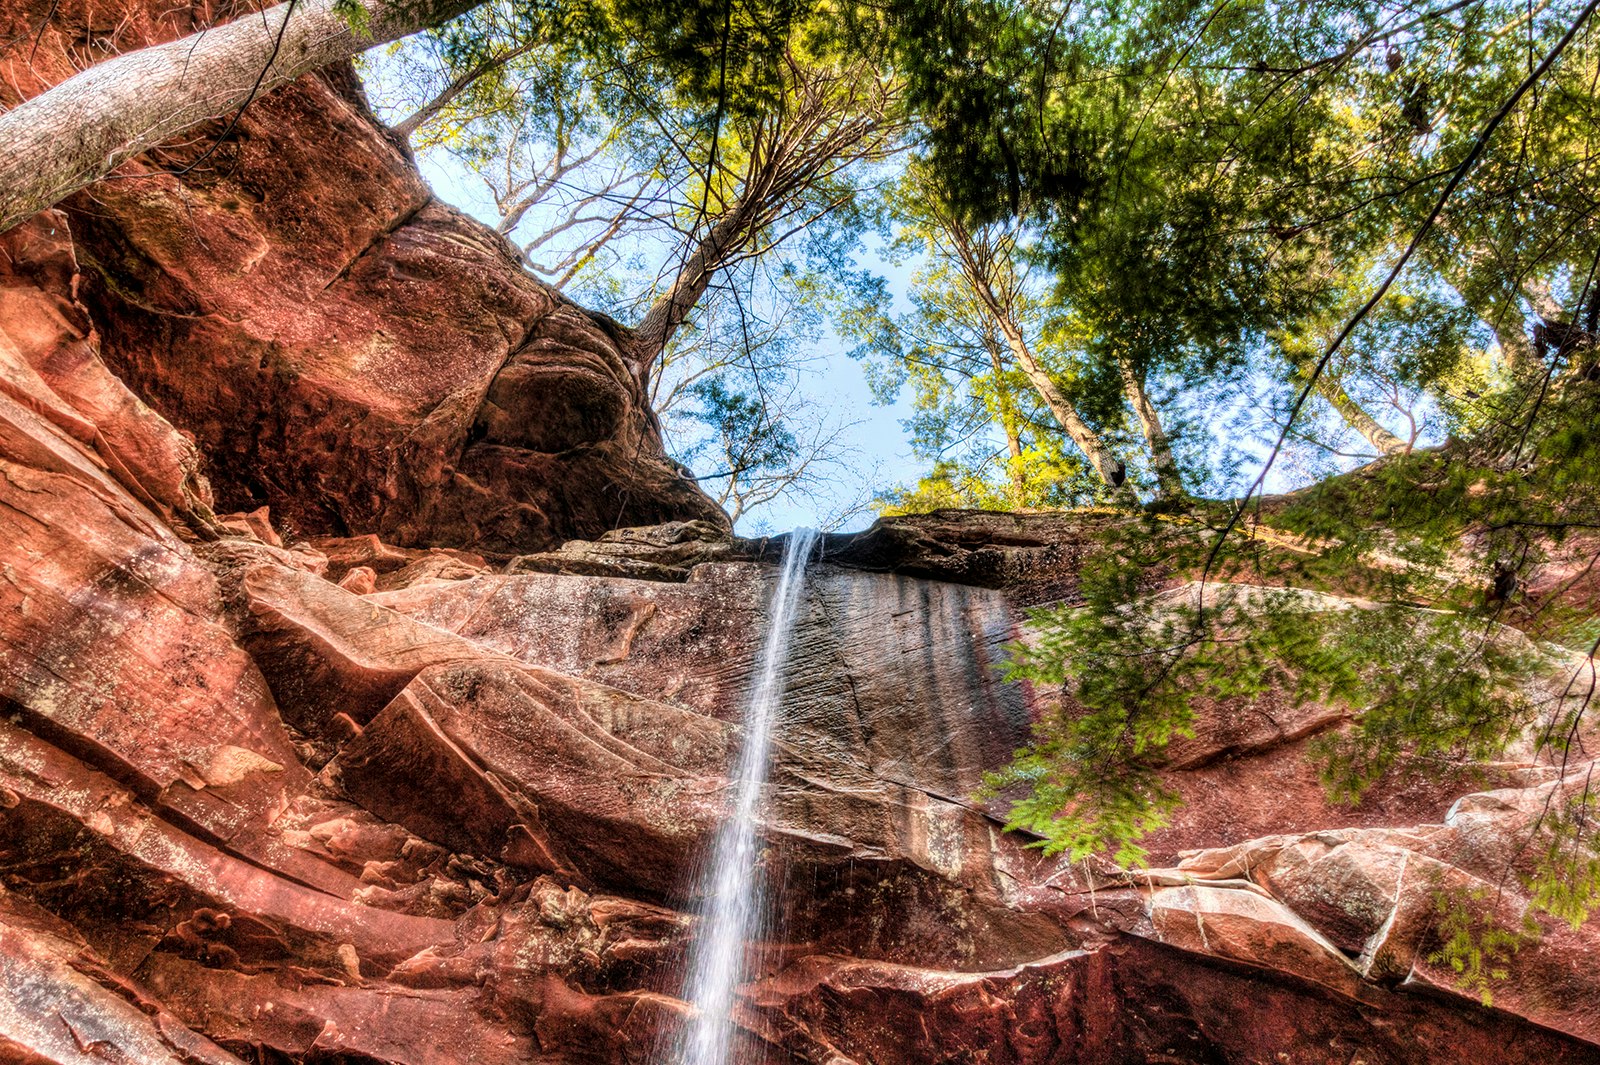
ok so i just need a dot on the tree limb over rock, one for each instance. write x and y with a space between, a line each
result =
84 128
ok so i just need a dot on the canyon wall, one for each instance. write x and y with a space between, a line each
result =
340 344
412 765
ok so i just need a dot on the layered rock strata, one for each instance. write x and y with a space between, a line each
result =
319 783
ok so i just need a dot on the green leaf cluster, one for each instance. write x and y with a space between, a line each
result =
1136 675
1476 946
1565 881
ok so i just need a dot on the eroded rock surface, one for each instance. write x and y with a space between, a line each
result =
342 346
319 780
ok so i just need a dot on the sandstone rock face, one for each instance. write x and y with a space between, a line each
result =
1034 558
487 793
316 780
342 346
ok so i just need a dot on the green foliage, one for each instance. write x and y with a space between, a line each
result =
355 14
1041 477
1516 488
1432 664
1194 194
993 437
722 54
710 54
742 429
1075 807
1473 943
1566 878
1425 686
1136 670
945 487
1213 190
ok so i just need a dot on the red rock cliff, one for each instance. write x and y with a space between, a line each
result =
341 345
353 800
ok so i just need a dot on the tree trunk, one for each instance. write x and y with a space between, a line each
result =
1008 422
1111 469
672 308
82 129
1545 306
1510 328
1499 311
1169 482
1355 415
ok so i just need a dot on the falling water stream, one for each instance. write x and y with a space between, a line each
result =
735 909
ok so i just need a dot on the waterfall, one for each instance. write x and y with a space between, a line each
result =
735 911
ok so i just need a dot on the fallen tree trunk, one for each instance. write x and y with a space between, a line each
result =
82 129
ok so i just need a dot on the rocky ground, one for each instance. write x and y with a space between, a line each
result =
339 728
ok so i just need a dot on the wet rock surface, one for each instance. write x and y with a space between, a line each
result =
295 767
471 803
